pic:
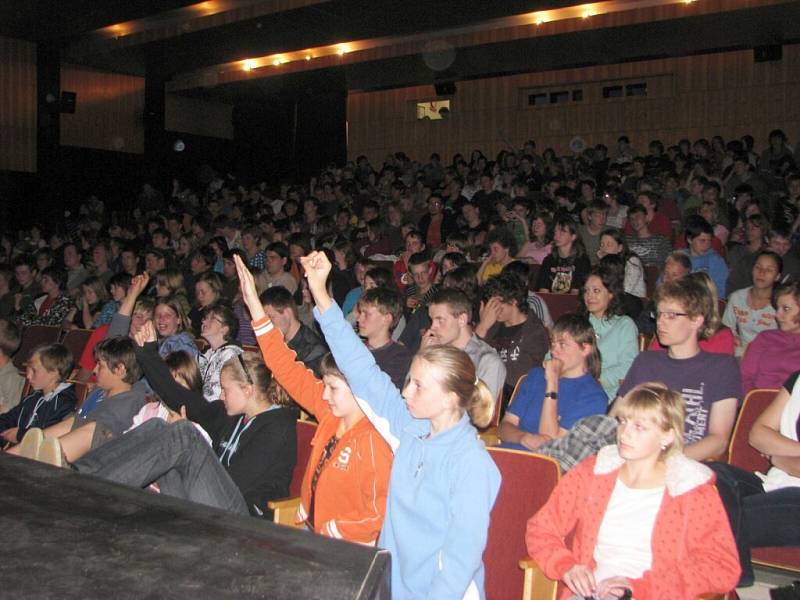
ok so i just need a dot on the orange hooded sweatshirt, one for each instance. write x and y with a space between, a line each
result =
350 500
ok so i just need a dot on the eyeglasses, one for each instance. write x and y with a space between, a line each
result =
244 369
669 315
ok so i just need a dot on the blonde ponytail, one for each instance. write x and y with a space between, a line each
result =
481 406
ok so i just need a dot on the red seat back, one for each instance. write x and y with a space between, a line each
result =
528 480
560 304
740 452
305 433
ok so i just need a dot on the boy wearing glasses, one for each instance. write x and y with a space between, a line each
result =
709 383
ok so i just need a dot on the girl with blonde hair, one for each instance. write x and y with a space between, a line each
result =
443 483
643 517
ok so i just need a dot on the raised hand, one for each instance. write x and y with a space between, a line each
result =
248 287
146 333
317 268
139 284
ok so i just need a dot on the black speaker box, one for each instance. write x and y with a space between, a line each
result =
445 88
129 543
768 53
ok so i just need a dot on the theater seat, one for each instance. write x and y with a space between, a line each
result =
284 509
32 337
740 452
527 481
744 456
75 340
560 304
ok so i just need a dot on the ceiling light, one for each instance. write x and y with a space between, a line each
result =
249 64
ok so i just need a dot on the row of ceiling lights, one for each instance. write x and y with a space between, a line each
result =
538 18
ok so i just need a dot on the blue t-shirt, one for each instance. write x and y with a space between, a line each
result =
578 397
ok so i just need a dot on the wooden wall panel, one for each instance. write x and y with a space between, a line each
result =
696 96
17 105
109 112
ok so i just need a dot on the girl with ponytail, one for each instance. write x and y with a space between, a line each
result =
443 483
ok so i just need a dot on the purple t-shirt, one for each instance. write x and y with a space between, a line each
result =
701 380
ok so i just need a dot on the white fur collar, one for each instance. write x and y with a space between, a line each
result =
683 474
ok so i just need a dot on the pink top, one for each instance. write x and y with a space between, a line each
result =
536 254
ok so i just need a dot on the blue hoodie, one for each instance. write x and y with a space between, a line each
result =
713 264
442 486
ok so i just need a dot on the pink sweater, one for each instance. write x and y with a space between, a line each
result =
770 358
692 545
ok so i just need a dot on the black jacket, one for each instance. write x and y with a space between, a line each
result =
33 411
309 347
262 462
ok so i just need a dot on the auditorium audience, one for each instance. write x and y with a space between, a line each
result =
459 274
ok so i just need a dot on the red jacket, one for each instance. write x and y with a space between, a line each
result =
351 491
692 545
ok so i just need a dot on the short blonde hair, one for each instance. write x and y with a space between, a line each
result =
658 402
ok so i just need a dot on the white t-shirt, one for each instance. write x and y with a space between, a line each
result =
776 478
624 540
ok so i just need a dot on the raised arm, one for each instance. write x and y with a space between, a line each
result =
376 394
121 322
297 379
209 415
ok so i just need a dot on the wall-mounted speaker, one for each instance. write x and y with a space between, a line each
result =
67 104
445 88
769 53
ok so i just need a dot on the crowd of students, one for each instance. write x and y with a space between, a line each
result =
401 308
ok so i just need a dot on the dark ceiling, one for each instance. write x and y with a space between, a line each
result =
71 25
63 20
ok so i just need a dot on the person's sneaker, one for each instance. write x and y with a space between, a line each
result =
29 446
50 453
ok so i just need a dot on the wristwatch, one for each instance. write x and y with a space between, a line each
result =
553 395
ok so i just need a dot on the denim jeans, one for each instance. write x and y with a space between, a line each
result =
757 518
174 456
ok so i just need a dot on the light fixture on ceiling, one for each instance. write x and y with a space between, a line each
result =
249 64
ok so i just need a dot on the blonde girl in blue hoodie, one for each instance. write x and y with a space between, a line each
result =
443 482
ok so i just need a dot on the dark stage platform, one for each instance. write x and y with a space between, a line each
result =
64 535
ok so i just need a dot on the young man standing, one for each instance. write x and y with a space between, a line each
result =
508 325
709 383
451 313
378 312
590 233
